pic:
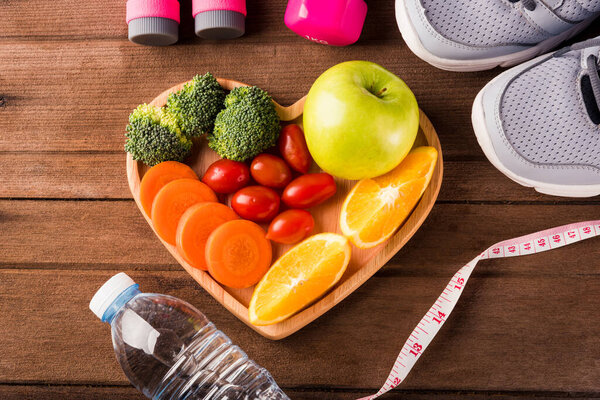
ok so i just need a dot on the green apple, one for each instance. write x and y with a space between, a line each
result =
360 120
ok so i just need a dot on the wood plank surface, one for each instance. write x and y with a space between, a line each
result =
100 98
34 392
525 327
112 84
81 175
547 327
108 234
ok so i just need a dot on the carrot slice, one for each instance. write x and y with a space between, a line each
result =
173 200
158 176
238 254
195 225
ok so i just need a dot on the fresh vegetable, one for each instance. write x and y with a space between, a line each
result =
153 136
270 170
376 207
172 201
247 126
290 226
256 203
158 176
226 176
360 120
238 254
197 104
309 190
293 148
194 227
299 277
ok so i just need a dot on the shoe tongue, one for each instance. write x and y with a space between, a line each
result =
592 107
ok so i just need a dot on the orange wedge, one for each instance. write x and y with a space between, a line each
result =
299 277
376 207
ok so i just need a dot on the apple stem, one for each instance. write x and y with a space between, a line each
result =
381 92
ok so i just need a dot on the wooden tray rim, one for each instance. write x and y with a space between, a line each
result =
341 291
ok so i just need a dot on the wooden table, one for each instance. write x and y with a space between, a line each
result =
68 80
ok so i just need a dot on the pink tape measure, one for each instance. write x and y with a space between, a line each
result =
439 312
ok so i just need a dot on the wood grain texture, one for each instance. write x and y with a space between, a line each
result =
363 262
107 235
94 72
34 392
76 176
66 90
53 337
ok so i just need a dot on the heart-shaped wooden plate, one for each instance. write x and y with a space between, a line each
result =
363 264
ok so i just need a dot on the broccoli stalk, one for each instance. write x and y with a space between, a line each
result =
197 104
247 126
153 136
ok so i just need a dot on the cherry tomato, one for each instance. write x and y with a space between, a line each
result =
292 146
226 176
309 190
291 226
270 170
256 203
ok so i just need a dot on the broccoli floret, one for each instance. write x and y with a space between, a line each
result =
197 104
153 136
247 126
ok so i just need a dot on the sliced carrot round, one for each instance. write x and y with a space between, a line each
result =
194 227
158 176
238 254
173 200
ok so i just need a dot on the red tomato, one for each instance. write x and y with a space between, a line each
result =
309 190
270 170
256 203
226 176
291 226
292 146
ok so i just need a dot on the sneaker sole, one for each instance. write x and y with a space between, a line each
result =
483 138
413 42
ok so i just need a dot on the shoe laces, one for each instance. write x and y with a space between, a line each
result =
528 4
592 68
591 64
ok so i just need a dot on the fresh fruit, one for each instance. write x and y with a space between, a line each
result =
299 277
172 201
360 120
256 203
290 226
226 176
270 170
375 208
292 146
238 254
194 227
309 190
158 176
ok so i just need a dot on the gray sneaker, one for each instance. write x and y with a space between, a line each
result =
473 35
539 123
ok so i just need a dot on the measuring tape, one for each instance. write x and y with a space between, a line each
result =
439 312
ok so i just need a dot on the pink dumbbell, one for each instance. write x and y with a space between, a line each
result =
219 19
156 22
334 22
153 22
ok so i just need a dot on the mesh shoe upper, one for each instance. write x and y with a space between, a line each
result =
544 116
497 22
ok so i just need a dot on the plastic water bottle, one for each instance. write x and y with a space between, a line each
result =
170 350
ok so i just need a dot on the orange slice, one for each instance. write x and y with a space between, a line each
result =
376 207
299 277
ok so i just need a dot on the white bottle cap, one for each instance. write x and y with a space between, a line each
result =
108 293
